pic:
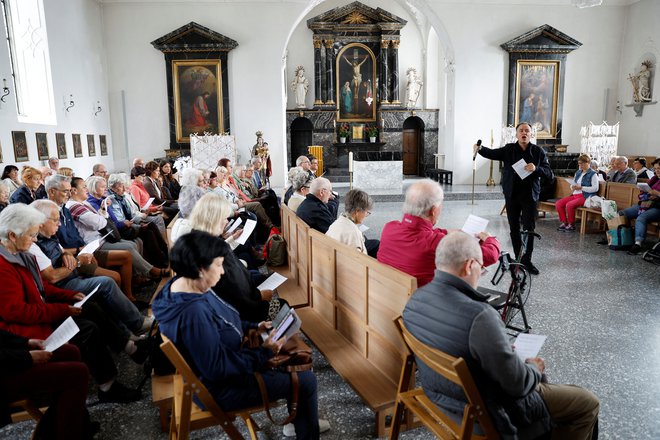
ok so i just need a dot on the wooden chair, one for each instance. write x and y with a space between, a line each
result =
29 411
451 368
187 416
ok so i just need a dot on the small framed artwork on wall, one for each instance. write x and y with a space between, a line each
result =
20 146
1 154
103 145
77 145
91 148
42 145
60 141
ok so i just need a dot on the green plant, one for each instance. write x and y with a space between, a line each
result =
372 130
344 130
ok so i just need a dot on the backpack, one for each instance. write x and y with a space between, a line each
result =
156 360
620 238
653 254
275 252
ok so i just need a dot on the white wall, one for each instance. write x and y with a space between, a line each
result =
637 135
77 65
482 69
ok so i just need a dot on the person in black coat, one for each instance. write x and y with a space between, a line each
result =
314 209
521 194
27 370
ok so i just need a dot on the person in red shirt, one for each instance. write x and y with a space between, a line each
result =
409 245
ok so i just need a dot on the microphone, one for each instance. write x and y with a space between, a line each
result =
477 151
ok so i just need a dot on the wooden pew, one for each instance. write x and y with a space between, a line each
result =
562 189
353 302
296 233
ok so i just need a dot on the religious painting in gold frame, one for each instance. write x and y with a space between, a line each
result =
355 68
537 94
197 97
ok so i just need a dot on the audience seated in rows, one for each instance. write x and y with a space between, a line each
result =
449 314
346 228
209 333
409 245
646 211
586 185
32 307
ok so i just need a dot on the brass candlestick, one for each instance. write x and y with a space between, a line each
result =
491 181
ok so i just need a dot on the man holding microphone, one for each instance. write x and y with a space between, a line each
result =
521 193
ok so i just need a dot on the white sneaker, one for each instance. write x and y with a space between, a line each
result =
290 430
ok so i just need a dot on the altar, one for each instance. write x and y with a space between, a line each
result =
378 170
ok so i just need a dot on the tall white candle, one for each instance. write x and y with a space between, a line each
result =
350 162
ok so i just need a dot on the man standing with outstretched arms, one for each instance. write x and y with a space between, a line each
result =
521 194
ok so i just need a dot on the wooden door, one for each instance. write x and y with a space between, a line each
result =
410 151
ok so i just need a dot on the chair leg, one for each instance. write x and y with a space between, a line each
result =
396 420
252 427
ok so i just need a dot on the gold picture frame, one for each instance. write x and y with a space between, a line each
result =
355 68
537 95
197 92
357 132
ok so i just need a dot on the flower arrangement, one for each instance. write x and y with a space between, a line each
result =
344 130
372 130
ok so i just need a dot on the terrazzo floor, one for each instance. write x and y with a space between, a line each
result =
599 308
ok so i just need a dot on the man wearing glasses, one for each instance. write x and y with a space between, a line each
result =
451 315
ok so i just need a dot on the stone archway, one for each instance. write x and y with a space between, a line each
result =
413 146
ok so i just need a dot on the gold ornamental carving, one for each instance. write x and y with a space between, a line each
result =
355 17
328 43
317 44
395 44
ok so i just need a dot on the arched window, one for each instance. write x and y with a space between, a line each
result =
25 26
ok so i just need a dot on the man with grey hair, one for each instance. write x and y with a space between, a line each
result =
304 163
314 209
100 170
409 244
449 314
54 164
58 188
623 173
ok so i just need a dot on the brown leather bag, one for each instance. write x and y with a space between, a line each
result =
295 355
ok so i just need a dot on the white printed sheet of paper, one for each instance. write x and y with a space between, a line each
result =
235 224
363 228
644 187
88 296
519 168
61 335
93 245
247 230
148 204
474 225
272 282
528 346
570 181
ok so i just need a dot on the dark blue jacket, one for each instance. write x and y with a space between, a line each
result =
22 195
450 315
52 249
67 233
209 333
512 184
315 213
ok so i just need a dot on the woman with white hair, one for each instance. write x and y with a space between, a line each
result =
300 182
188 197
594 166
192 177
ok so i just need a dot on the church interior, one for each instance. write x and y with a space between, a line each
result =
384 93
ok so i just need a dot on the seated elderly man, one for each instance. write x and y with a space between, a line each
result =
622 173
409 244
451 315
314 209
59 267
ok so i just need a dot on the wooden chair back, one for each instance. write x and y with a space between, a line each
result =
186 415
624 194
451 368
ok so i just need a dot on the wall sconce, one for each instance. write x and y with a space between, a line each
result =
5 90
618 107
97 108
69 104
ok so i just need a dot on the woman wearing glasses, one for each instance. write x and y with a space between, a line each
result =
300 182
346 228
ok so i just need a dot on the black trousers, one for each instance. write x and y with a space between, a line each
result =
521 208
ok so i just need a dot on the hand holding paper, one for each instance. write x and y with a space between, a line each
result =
61 335
474 225
528 345
520 168
247 230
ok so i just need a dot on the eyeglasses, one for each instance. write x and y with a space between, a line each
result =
55 220
31 236
65 191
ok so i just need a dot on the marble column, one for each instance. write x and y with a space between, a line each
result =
383 85
330 72
318 73
394 72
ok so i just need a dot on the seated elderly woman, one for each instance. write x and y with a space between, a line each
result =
32 307
27 193
188 197
300 182
346 228
91 222
585 185
28 371
238 285
129 223
647 210
601 173
209 332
